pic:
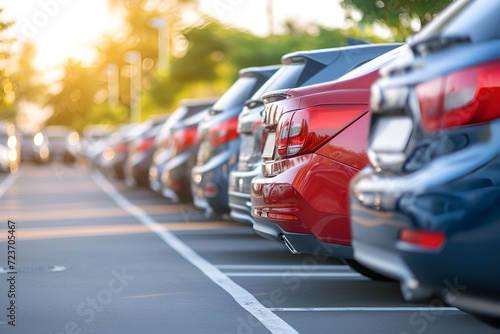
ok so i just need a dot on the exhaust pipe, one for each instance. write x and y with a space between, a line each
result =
289 245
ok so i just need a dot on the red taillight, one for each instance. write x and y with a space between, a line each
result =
184 138
120 147
304 131
145 144
282 216
223 132
425 239
282 132
465 97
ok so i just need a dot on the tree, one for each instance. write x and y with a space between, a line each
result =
403 17
78 89
7 83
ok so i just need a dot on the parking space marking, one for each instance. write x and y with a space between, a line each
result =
362 309
304 267
245 299
86 213
295 274
8 182
117 229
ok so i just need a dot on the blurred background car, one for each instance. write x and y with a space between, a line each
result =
27 145
316 138
93 141
140 150
189 111
299 69
56 142
115 153
10 147
426 210
219 140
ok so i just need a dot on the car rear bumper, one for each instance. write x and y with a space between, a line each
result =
240 203
174 178
209 182
457 194
309 199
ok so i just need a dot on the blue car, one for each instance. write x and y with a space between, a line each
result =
219 141
426 211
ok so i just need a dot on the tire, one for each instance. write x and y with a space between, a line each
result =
367 272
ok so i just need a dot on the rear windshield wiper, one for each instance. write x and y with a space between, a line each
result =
436 43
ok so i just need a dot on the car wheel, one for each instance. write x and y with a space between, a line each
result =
367 272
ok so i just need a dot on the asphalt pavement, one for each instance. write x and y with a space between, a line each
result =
94 256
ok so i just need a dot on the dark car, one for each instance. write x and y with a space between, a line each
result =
177 137
426 210
316 138
183 146
300 69
140 153
115 153
219 141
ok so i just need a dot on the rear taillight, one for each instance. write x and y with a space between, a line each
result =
423 239
145 144
120 147
185 138
223 132
304 131
465 97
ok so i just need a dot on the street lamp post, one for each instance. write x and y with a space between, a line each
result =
113 84
163 42
134 59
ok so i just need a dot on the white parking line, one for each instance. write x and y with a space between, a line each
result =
362 309
293 274
304 267
8 182
245 299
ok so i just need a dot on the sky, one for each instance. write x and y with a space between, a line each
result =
61 29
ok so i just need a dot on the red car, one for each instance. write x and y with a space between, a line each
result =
316 139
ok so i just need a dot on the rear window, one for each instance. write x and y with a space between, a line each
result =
286 77
373 64
476 19
237 94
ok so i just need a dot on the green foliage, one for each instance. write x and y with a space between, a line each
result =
76 98
403 17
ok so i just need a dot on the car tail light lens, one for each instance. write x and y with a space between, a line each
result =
185 138
304 131
465 97
282 216
145 144
282 134
424 239
223 132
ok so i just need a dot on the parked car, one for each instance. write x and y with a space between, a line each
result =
10 155
426 210
299 69
27 145
115 153
55 142
316 138
93 141
164 141
219 140
140 150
